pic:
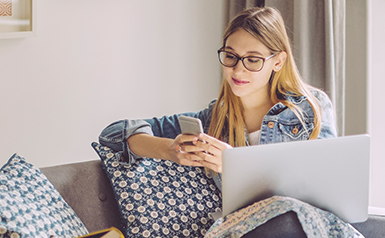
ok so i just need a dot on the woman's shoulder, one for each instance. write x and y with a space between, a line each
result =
211 106
212 103
304 101
322 97
319 94
206 114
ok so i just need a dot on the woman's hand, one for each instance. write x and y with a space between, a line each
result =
202 150
211 152
189 150
182 150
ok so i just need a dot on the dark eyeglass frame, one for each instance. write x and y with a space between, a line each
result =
242 58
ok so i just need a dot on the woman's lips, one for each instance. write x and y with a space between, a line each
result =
239 82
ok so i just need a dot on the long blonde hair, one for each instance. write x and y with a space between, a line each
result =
265 24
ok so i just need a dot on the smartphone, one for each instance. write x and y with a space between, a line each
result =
190 125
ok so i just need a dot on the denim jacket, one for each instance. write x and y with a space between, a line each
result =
280 124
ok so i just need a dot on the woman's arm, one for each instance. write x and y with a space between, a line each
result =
152 138
145 145
116 134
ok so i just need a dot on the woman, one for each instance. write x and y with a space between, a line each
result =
262 100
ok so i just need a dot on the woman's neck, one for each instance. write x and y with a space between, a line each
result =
254 111
257 101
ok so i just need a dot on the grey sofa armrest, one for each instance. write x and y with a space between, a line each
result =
287 225
373 227
86 188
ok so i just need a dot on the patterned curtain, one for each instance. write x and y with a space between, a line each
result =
236 6
317 31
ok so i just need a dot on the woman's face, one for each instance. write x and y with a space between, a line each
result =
244 83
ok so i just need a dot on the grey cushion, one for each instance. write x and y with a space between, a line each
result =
85 187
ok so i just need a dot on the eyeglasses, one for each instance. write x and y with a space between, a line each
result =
252 63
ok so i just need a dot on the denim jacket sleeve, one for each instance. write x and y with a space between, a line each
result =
328 122
116 134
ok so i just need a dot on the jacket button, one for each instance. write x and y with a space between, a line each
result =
295 130
270 124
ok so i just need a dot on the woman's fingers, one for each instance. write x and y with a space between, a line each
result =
211 145
212 162
185 150
187 144
182 139
188 162
188 159
202 150
214 142
190 148
211 152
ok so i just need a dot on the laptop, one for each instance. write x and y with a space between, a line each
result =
331 174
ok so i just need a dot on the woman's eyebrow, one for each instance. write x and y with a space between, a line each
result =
248 52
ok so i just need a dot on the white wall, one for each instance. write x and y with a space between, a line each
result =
376 113
365 84
88 67
97 61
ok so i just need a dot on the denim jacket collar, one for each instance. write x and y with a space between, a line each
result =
294 99
279 107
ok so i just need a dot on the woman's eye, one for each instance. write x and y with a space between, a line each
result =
253 60
229 56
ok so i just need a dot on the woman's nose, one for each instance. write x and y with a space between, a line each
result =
239 66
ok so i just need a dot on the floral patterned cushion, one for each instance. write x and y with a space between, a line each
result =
31 207
159 198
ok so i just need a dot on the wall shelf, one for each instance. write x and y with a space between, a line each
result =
20 22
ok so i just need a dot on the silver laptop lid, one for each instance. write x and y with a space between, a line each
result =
332 174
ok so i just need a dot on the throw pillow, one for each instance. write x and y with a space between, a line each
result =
159 198
31 207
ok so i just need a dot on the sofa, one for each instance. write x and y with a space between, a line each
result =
87 190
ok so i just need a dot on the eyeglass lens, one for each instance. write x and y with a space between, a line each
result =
251 63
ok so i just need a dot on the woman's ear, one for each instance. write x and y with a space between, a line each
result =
280 61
